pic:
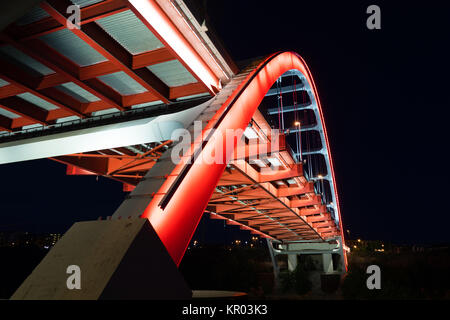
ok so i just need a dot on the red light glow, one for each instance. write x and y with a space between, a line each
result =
176 224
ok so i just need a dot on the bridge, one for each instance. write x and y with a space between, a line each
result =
141 92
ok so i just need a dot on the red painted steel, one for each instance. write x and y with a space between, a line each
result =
176 223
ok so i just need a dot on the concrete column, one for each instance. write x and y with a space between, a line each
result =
341 265
276 269
292 262
327 262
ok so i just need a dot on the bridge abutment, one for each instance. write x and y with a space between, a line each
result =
324 269
115 259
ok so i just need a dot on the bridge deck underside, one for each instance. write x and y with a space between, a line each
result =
263 191
44 82
51 73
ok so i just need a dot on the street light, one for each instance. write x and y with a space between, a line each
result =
299 142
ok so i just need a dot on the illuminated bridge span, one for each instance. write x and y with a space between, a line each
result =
107 99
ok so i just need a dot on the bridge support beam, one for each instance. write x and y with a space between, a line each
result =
276 268
327 263
325 276
292 261
322 250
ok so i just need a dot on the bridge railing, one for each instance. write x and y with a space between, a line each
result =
104 119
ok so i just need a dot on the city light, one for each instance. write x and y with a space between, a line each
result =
297 123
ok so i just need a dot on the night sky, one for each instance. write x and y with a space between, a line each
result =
384 95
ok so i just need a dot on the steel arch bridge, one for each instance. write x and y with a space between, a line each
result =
236 113
277 194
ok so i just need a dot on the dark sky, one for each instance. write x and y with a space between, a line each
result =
384 94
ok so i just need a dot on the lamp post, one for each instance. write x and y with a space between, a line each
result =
321 188
299 137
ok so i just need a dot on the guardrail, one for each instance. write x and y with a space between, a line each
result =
105 119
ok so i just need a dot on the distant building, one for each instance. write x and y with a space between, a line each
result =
366 246
26 239
360 245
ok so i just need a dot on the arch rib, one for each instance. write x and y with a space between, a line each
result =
180 202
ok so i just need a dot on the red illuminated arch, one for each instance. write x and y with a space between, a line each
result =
176 209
